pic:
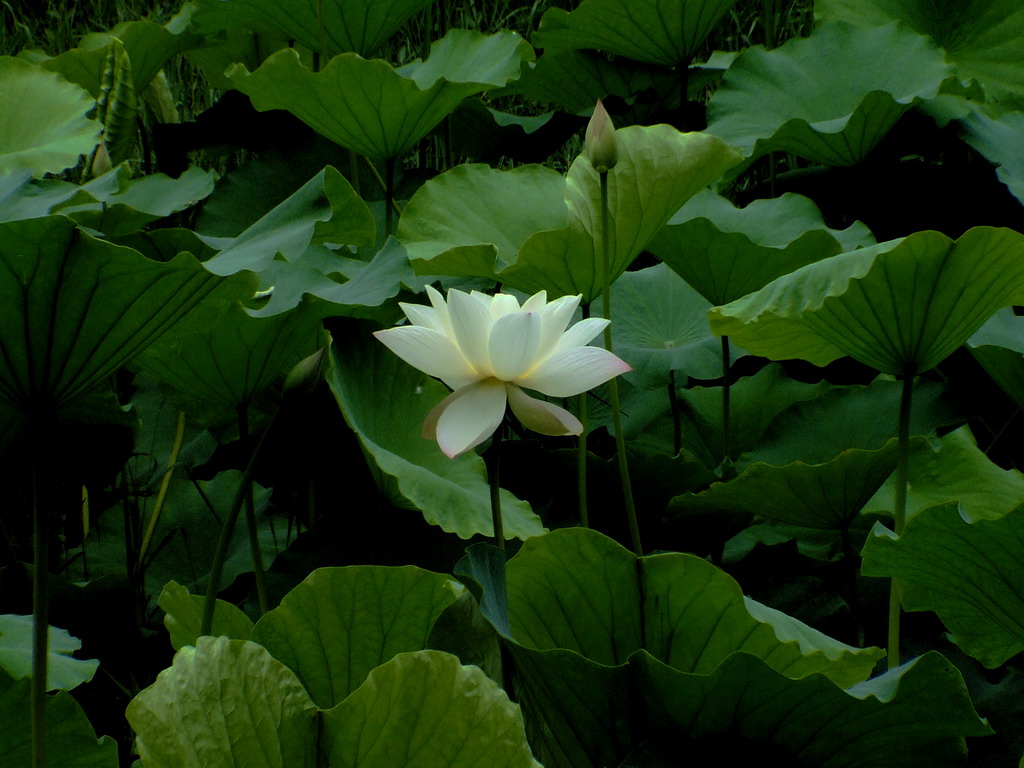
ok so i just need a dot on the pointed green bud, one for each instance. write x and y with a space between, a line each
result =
306 374
600 145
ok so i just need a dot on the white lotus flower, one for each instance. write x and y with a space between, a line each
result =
487 348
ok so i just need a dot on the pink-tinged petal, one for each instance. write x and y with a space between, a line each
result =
471 325
554 318
428 350
467 417
421 315
582 333
572 371
540 416
513 345
438 303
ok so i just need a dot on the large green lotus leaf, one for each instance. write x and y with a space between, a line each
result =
667 32
63 671
220 52
114 203
658 169
996 139
726 252
340 623
778 100
970 574
328 27
231 364
149 47
683 610
661 325
577 79
224 703
74 309
371 108
825 496
983 38
43 123
385 401
957 471
324 210
999 347
183 617
815 431
69 735
587 715
425 709
901 307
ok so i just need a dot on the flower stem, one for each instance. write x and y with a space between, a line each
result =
900 512
250 522
673 402
40 614
726 436
613 384
581 452
494 478
226 531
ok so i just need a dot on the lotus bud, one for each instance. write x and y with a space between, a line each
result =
600 145
306 374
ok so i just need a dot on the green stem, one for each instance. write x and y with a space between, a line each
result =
494 478
673 402
726 416
581 452
40 617
250 522
389 196
228 527
900 511
613 384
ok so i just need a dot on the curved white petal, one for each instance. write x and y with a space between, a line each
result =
582 333
419 314
513 344
501 304
438 303
467 417
428 350
572 371
540 416
471 326
536 303
554 318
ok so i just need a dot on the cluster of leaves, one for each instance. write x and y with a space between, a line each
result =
815 287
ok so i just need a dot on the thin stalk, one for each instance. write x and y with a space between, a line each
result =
494 478
389 196
726 416
581 452
673 402
221 553
900 512
161 496
613 384
40 615
250 522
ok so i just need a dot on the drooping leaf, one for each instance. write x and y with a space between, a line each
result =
69 735
983 38
726 252
184 617
385 402
970 574
344 101
667 32
224 703
778 101
329 28
661 325
998 347
63 671
901 307
955 470
74 309
43 123
825 496
550 245
426 709
339 624
996 138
